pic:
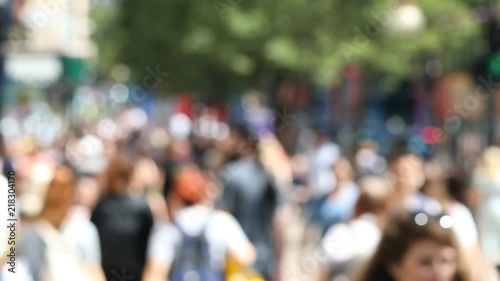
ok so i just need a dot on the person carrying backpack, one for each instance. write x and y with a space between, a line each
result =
197 242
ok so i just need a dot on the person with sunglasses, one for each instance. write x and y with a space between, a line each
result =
417 246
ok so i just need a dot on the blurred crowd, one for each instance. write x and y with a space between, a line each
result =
199 200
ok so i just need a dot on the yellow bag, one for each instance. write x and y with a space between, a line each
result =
237 272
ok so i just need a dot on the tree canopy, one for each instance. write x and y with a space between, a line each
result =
229 45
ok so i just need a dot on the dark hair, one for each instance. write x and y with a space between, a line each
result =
401 148
454 181
456 184
249 141
399 235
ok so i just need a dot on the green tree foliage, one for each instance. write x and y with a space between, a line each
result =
221 46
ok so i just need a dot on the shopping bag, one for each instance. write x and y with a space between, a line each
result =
237 272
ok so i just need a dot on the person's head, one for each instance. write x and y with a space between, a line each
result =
343 170
118 174
444 183
417 247
60 194
406 169
373 198
191 185
245 143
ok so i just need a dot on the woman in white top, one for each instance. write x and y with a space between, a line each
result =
346 245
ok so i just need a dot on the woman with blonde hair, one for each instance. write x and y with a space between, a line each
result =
417 247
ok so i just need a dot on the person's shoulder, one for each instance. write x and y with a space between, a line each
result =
103 200
29 230
77 219
166 230
221 218
353 188
331 147
366 224
138 202
90 227
459 209
165 227
337 231
428 204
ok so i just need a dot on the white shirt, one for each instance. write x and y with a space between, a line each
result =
82 233
358 238
321 177
463 225
222 232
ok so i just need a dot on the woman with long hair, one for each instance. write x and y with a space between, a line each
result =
49 247
417 247
123 221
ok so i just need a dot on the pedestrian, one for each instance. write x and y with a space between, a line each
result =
406 171
417 247
347 245
251 196
45 244
197 242
338 205
124 223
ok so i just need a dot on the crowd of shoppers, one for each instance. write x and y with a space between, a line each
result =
189 208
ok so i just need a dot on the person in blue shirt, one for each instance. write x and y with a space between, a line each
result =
338 205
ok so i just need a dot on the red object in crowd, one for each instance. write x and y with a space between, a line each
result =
441 98
191 185
432 135
184 104
221 113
